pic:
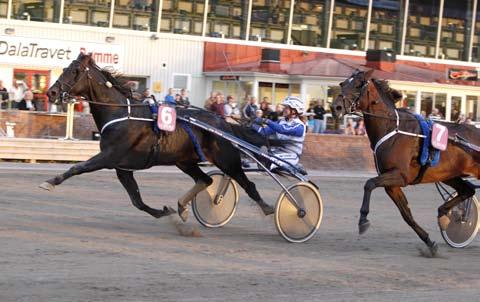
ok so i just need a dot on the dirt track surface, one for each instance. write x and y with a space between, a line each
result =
85 242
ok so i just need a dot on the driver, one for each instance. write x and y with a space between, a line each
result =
290 129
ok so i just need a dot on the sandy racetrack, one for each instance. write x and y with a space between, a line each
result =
85 242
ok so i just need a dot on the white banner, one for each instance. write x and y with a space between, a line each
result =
57 53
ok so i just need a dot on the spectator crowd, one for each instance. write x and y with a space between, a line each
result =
19 96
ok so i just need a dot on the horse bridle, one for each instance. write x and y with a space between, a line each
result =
65 94
354 103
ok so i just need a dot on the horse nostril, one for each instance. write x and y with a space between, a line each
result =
338 108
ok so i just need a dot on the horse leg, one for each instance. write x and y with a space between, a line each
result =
130 184
252 192
391 178
230 163
202 181
464 190
401 202
93 164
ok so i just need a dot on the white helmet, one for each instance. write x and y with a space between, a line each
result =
294 103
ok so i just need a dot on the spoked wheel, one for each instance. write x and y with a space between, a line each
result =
464 223
299 223
215 206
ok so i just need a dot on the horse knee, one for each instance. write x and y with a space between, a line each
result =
369 185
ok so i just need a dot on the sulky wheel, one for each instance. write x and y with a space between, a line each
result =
215 206
298 224
464 223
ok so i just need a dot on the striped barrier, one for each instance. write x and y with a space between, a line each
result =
47 149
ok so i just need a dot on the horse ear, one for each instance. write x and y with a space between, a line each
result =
397 95
368 74
86 58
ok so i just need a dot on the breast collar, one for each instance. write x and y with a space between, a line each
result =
390 135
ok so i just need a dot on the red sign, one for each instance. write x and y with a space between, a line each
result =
229 78
466 75
167 118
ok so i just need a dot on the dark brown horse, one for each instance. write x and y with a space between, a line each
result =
131 144
397 155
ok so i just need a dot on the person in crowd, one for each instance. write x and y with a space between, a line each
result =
350 127
435 115
149 99
209 102
231 110
462 119
291 129
423 113
360 128
455 115
27 103
259 113
3 96
310 115
249 111
17 92
218 106
318 123
277 114
265 107
170 97
184 99
178 99
147 94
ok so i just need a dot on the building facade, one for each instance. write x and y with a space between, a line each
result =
161 44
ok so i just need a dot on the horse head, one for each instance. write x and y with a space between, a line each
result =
352 96
73 81
82 78
358 95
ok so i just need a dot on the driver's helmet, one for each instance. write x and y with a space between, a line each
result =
294 103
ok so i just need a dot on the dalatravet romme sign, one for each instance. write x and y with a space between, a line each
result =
56 53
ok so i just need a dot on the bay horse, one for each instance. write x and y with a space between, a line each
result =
393 135
128 141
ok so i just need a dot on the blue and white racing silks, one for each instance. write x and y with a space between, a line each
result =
291 131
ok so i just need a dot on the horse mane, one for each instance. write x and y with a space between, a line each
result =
116 78
387 93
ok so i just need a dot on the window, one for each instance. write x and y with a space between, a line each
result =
227 18
181 81
3 8
310 23
48 11
456 25
86 12
185 17
423 22
348 29
271 17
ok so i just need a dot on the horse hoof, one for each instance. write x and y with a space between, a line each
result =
169 210
443 222
363 227
433 249
430 252
47 186
183 212
268 210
